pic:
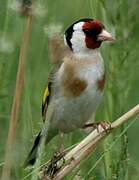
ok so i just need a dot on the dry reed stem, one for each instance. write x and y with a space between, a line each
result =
87 145
16 101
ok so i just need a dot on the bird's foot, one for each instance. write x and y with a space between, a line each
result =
103 124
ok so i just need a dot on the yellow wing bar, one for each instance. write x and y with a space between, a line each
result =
45 100
46 94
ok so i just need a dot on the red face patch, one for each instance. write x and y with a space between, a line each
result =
91 44
92 29
93 24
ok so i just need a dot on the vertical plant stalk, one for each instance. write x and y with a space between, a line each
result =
5 28
16 100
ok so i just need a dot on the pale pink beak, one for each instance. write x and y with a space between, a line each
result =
105 36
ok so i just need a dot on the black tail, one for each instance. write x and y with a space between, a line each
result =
33 153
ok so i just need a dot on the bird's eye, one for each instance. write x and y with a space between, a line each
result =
88 32
92 32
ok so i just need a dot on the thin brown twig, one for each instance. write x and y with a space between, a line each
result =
87 145
16 101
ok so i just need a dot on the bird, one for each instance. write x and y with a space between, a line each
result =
75 86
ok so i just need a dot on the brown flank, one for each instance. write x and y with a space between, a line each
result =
72 85
75 87
101 83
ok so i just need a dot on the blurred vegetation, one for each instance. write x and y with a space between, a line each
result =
121 92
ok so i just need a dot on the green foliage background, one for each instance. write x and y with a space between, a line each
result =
121 92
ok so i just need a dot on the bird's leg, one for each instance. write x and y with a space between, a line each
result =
103 124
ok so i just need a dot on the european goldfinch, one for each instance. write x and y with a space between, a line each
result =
75 87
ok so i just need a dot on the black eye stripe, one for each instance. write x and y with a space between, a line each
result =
92 32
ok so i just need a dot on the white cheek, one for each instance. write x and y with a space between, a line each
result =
78 38
78 26
78 41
